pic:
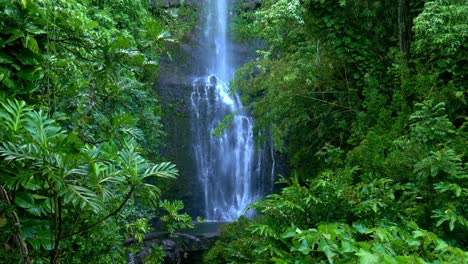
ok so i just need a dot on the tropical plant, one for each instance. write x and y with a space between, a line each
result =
62 187
73 173
396 201
172 218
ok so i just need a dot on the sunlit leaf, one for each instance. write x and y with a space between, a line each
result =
31 44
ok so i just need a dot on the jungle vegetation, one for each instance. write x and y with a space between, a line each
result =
366 99
367 102
80 127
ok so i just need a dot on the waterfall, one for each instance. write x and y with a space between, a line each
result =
226 165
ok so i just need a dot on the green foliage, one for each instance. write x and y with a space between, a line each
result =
179 21
430 125
73 164
439 48
91 64
61 187
172 219
138 229
234 245
375 135
340 243
21 61
308 86
440 40
397 201
223 125
242 26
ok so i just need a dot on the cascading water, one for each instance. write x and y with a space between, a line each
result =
227 166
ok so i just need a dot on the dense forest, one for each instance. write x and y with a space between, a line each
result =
364 99
80 126
367 99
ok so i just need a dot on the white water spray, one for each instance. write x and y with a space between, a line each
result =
226 165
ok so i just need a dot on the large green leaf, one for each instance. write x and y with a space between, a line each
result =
31 73
25 200
13 113
163 170
366 257
31 44
42 129
11 151
27 57
5 58
36 232
15 34
81 197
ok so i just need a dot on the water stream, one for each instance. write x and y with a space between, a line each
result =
227 166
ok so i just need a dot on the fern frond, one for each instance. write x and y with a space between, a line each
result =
163 170
18 153
82 197
41 128
133 132
81 170
13 113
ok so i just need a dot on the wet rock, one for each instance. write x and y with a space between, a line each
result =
213 81
179 248
168 245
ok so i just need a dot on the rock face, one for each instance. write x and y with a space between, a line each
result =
174 89
179 248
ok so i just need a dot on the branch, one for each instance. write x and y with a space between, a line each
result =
76 53
127 197
326 102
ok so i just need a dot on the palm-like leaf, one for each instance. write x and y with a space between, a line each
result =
131 162
104 179
163 170
12 152
133 132
41 128
13 112
149 194
81 197
81 170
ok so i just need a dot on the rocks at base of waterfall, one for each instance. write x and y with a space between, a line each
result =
179 248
